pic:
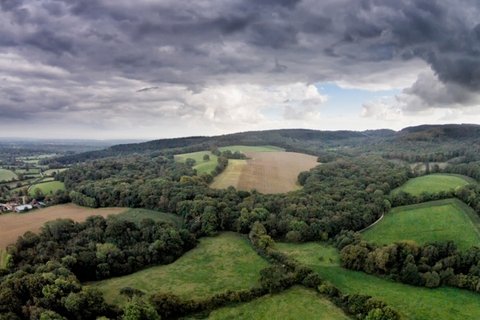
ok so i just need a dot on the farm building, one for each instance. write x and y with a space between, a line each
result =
23 208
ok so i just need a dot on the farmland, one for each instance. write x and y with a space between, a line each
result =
428 222
295 303
414 303
7 175
267 172
434 183
224 262
13 225
49 187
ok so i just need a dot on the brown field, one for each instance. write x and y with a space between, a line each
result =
267 172
14 225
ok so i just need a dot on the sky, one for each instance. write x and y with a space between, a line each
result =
147 69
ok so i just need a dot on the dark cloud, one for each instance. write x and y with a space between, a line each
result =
65 50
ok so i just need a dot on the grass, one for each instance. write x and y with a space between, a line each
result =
416 303
442 220
295 303
251 148
231 175
434 183
46 187
3 258
7 175
202 166
50 172
137 215
217 264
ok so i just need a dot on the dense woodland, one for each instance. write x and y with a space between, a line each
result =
348 192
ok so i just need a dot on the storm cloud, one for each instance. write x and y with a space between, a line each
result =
230 62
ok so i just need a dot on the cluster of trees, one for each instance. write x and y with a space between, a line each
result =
101 248
430 265
345 194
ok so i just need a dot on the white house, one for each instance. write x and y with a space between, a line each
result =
24 207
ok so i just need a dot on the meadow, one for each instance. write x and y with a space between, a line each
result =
13 225
434 183
49 187
202 166
217 264
416 303
137 215
7 175
292 304
441 220
267 172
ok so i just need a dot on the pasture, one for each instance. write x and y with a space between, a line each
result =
434 183
295 303
137 215
202 166
416 303
217 264
441 220
246 149
267 172
48 187
13 225
7 175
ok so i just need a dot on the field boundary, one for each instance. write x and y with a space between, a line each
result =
373 224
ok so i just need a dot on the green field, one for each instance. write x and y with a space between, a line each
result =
415 303
434 183
442 220
251 148
50 172
295 303
7 175
137 215
46 187
208 166
201 165
217 264
3 258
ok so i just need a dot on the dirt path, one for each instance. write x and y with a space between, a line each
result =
14 225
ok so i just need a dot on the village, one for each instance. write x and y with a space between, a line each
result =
21 205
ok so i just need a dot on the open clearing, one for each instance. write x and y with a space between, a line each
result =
49 187
7 175
295 303
202 166
217 264
244 149
415 303
137 215
434 183
13 225
267 172
442 220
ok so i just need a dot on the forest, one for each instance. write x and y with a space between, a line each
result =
46 271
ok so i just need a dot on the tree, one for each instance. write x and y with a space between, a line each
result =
206 157
138 309
190 162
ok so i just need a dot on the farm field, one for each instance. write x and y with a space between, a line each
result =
267 172
295 303
202 166
416 303
442 220
13 225
244 149
49 187
217 264
3 258
7 175
137 215
434 183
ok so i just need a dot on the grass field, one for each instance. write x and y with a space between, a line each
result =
442 220
217 264
433 183
49 187
244 149
415 303
295 303
137 215
7 175
3 258
50 172
13 225
267 172
201 165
